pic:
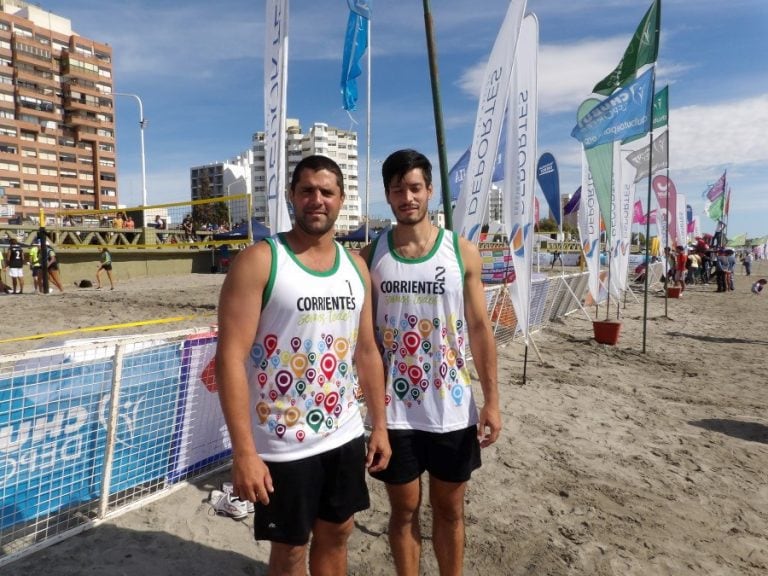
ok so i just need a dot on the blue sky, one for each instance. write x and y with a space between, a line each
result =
197 66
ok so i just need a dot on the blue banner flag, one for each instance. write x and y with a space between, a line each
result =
622 115
547 176
573 203
459 171
355 45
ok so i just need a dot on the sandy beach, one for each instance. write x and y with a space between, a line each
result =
612 461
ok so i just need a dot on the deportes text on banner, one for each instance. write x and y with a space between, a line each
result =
470 206
519 184
275 83
589 228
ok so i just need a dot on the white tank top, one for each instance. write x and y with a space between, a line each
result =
300 374
421 332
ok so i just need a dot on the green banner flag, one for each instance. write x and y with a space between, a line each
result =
600 163
643 49
715 209
660 108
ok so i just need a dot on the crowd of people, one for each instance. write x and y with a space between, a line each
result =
14 260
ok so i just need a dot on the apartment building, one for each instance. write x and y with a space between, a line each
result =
57 124
338 144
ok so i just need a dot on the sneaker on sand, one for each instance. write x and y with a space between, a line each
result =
226 487
224 504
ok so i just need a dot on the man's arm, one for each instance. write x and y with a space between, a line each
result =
370 372
481 343
239 313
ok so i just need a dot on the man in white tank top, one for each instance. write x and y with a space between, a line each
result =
295 325
428 301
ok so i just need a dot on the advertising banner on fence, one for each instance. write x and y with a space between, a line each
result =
53 429
202 437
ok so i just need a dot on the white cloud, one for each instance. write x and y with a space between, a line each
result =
727 133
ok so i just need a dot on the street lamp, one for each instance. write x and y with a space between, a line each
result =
142 123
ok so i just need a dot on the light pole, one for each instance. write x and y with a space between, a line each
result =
142 123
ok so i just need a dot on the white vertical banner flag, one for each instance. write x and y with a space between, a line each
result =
520 167
624 174
589 227
681 221
275 89
470 205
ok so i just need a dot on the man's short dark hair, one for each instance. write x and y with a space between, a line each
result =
316 163
399 163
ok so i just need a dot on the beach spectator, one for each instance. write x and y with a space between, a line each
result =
53 269
297 296
556 257
680 267
430 301
105 264
160 225
747 263
718 240
669 265
3 286
731 259
721 270
757 287
15 258
36 266
189 228
119 221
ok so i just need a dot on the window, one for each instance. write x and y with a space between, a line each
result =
27 169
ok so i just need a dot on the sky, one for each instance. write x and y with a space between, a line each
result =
198 67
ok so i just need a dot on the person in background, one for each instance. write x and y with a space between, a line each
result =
680 267
429 302
36 266
747 263
53 269
757 287
105 264
295 341
15 258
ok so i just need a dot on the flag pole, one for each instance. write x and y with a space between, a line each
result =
440 132
368 138
648 221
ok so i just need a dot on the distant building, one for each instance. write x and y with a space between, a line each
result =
57 123
230 178
338 144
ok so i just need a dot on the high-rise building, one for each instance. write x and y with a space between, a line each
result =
340 145
57 129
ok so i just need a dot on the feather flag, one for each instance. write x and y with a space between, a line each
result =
355 45
643 49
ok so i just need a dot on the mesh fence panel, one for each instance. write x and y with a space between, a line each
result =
91 429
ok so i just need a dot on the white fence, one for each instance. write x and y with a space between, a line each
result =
89 430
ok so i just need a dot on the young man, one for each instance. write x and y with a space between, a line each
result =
428 300
294 320
15 258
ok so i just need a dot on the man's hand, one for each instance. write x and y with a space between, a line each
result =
251 479
379 451
489 427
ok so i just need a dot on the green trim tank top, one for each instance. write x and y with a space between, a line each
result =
300 371
421 333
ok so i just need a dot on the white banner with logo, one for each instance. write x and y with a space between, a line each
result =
520 177
469 213
589 227
275 90
621 230
681 221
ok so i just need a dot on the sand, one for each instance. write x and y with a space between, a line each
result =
612 461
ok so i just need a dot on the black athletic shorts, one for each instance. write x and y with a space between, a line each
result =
330 487
448 456
106 267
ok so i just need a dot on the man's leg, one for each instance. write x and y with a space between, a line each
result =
447 499
328 550
404 527
287 560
